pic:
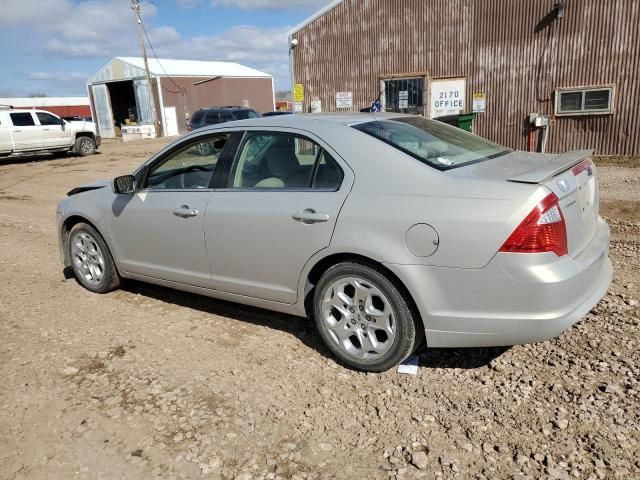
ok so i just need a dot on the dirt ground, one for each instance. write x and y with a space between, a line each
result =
147 382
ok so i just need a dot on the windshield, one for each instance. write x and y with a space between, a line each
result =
434 143
244 114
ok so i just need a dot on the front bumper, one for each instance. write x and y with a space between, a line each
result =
516 298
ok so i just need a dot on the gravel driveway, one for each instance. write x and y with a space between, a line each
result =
147 382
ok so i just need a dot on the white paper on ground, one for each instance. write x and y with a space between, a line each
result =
410 365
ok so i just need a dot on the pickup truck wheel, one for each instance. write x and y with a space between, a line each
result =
85 146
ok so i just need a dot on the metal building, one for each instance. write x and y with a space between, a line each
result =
121 97
574 63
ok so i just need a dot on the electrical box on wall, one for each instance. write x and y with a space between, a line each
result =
538 120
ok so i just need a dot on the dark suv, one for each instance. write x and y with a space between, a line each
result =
212 115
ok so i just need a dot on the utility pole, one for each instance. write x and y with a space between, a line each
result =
137 8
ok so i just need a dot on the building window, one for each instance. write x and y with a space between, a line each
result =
404 95
584 101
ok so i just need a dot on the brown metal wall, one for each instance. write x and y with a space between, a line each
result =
212 93
502 47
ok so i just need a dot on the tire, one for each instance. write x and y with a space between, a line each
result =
364 318
85 146
91 260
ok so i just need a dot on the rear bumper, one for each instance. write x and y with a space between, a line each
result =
516 298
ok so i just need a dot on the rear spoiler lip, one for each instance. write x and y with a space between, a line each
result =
563 162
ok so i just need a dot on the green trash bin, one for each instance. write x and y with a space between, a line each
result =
465 121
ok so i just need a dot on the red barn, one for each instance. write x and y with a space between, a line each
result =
61 106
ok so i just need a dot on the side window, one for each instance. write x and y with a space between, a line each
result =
22 119
269 160
190 167
197 117
281 160
212 118
47 119
226 117
328 173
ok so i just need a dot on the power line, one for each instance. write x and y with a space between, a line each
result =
180 89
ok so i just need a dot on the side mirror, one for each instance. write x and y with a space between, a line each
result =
124 184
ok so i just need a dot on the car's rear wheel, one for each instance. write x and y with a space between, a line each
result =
364 318
85 146
91 261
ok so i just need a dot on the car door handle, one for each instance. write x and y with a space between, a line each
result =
309 215
46 129
184 211
17 131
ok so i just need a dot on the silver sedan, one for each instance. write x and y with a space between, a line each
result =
384 229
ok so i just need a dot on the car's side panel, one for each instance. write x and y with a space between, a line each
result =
256 246
515 299
152 238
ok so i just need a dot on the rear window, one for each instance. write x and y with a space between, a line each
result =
244 114
433 143
22 119
198 117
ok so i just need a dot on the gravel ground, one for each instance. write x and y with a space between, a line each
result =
148 382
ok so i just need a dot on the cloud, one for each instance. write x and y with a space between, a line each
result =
22 11
97 30
267 4
57 77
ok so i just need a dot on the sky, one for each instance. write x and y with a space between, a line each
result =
52 47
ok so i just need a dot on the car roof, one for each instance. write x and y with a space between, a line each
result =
304 120
227 107
23 110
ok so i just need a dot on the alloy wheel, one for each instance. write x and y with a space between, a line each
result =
359 318
87 258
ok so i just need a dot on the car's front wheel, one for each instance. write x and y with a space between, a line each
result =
364 318
91 261
85 146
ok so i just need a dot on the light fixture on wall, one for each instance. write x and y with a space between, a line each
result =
558 8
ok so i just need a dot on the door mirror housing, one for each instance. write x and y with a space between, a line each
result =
124 184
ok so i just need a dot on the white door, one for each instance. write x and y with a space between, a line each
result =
6 145
170 121
27 135
54 131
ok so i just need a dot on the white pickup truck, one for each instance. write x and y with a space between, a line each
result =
37 131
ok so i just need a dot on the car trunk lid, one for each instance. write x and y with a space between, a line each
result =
572 176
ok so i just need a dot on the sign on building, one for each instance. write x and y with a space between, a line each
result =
403 99
344 99
479 102
447 96
297 107
316 105
298 92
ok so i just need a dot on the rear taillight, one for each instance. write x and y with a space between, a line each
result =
581 167
543 230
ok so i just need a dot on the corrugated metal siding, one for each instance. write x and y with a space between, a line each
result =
191 94
144 104
104 116
117 70
502 49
